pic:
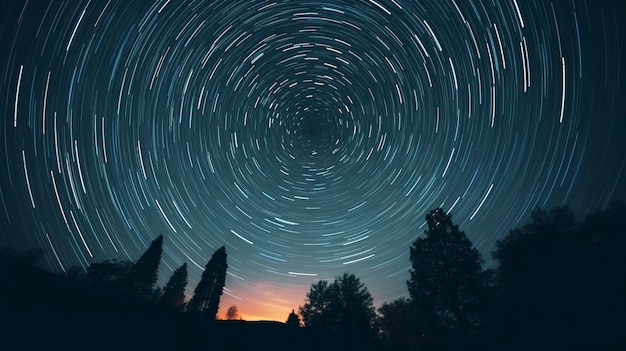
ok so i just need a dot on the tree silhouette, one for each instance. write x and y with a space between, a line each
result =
318 308
232 313
357 311
345 306
395 325
108 273
206 296
174 291
293 319
447 285
31 256
142 276
527 249
561 284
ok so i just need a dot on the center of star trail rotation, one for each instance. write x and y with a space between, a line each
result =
308 137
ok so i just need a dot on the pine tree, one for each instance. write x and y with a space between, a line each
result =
142 276
174 291
206 296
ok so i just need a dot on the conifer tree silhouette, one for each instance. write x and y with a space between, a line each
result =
206 296
142 276
174 291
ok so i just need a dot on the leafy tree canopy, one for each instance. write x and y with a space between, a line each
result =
447 285
293 319
232 313
345 305
563 276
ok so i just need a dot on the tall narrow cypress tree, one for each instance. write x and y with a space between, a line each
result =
142 276
206 296
174 291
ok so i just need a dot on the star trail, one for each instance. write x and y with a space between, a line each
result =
308 137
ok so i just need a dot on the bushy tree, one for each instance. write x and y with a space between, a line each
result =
174 291
232 313
561 284
396 329
206 296
447 285
317 311
345 306
293 319
357 311
30 256
525 250
109 274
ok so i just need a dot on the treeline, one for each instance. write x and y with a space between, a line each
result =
559 284
109 305
138 280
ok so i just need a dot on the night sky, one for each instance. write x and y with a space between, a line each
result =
308 137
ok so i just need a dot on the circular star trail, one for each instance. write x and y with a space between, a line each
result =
308 137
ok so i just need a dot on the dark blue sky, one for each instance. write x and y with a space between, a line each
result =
308 137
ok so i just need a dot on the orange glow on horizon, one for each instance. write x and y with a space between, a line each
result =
264 301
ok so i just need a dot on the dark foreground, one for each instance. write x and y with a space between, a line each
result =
44 311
